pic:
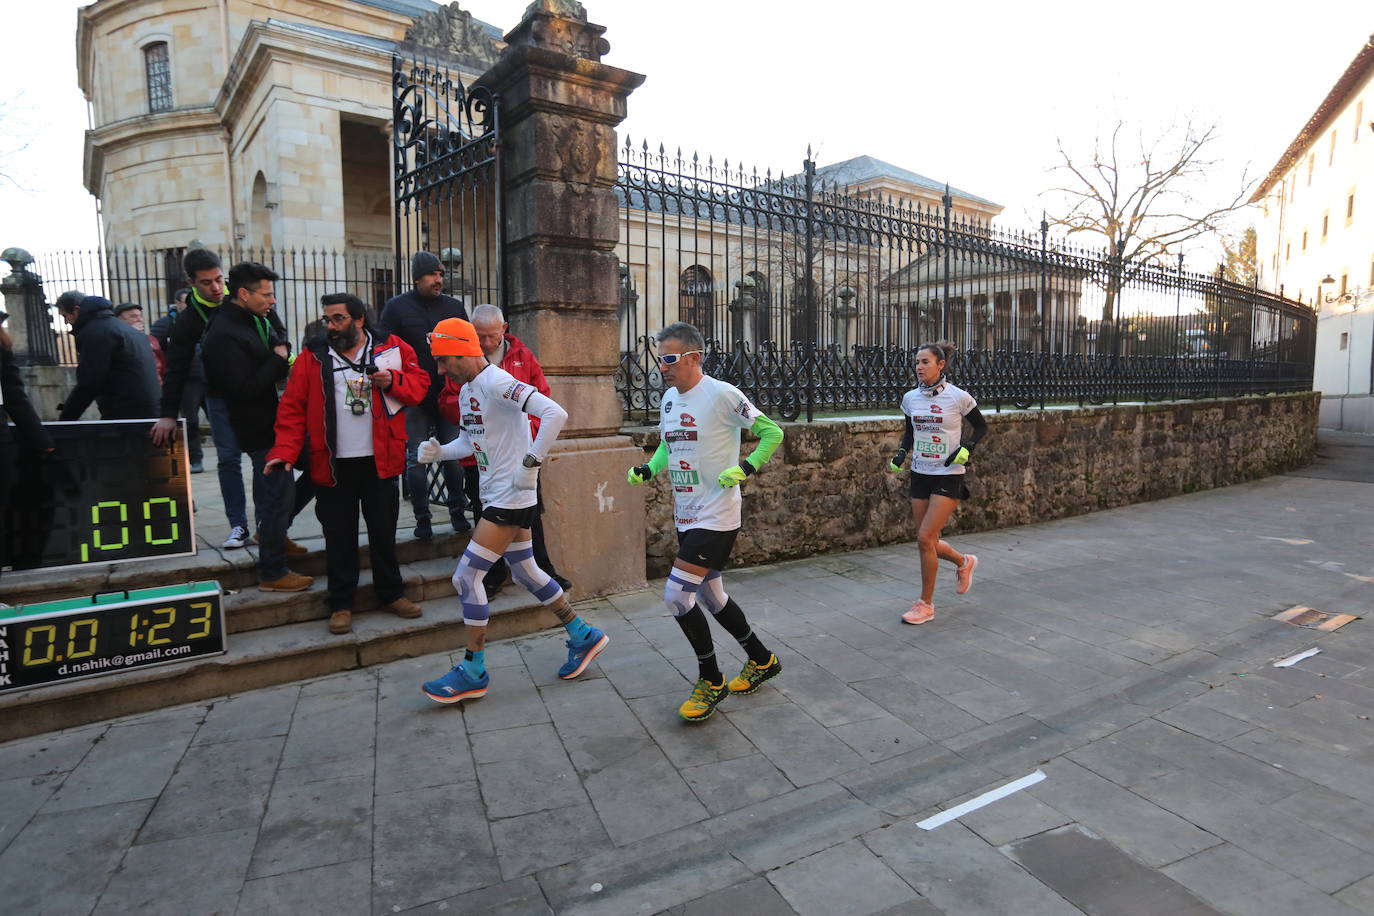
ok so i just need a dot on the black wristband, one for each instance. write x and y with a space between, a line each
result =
644 472
898 458
746 467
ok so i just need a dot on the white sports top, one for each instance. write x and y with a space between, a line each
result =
937 426
702 431
493 415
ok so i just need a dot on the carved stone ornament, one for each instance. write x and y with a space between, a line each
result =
450 29
579 154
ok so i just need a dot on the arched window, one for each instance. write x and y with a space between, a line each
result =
696 290
158 68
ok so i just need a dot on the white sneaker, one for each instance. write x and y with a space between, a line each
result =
238 536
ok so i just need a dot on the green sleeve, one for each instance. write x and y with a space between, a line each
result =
660 459
770 437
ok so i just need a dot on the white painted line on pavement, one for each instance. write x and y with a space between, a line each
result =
1292 660
987 798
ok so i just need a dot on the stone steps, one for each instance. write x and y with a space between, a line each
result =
251 608
273 637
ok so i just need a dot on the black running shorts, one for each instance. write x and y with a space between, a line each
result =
704 547
923 486
515 518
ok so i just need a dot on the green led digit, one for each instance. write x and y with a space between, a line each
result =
93 625
171 517
123 527
50 633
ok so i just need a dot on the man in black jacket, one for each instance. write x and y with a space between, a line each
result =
114 365
203 269
411 316
193 384
245 357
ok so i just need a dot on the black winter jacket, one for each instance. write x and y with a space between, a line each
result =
115 366
244 371
411 317
163 329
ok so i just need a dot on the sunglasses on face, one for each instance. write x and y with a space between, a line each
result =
669 359
435 335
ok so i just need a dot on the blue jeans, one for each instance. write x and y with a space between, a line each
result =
230 461
423 421
273 498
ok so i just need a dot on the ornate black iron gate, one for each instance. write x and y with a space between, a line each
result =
446 142
448 188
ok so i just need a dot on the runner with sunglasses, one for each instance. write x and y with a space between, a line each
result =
699 440
495 429
935 412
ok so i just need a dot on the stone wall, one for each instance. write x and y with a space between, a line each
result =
825 489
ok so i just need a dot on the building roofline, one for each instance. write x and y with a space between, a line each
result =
1355 74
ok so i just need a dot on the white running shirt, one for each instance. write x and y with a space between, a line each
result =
937 426
702 430
492 408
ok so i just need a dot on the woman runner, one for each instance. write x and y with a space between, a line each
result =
935 412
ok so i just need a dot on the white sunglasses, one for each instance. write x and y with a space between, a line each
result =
669 358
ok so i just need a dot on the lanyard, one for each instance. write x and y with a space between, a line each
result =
261 325
363 355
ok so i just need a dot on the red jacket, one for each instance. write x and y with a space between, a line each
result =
309 405
519 362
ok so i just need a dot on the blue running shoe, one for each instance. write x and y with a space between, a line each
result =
581 652
457 685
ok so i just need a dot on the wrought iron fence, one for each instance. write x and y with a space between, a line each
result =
150 278
814 297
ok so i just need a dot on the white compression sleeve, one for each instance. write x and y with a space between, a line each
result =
551 420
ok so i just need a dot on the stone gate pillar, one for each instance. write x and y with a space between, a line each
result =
559 106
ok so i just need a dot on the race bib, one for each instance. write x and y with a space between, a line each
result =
926 447
481 457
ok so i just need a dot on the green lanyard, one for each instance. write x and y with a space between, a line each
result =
261 325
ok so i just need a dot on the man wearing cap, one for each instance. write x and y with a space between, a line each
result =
345 403
411 316
496 430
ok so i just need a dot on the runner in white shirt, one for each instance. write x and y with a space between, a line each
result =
496 431
935 412
699 439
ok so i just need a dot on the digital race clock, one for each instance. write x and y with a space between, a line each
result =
59 641
105 494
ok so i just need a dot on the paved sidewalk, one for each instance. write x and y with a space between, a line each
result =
1126 654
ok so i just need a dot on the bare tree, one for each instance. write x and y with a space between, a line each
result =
1141 197
14 138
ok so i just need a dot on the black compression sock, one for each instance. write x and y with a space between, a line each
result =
698 633
732 618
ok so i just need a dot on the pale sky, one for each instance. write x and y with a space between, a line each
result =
970 93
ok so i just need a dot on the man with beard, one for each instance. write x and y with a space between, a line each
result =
411 316
351 389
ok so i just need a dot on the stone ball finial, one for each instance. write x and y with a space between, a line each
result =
194 245
17 258
452 257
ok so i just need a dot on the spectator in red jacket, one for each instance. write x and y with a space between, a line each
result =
508 352
349 391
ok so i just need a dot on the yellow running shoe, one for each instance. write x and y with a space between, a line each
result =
753 676
703 701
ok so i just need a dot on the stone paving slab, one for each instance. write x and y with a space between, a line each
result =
1125 654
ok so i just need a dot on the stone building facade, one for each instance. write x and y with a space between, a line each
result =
1315 239
252 123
